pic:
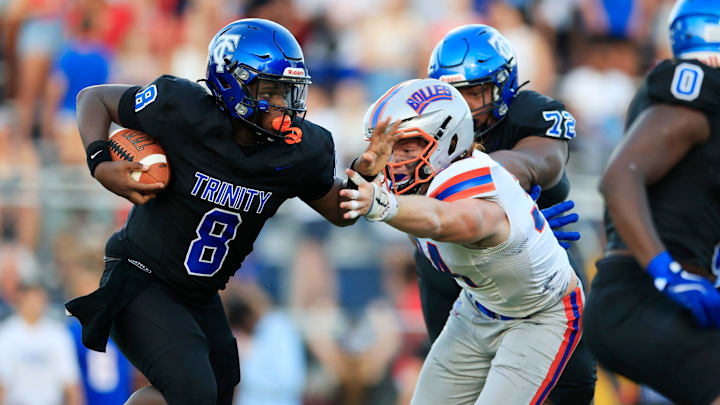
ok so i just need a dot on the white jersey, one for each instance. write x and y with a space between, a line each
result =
37 362
528 272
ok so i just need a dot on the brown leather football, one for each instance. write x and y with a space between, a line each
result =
136 146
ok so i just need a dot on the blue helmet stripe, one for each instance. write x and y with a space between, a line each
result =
381 104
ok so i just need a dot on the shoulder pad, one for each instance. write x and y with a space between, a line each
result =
534 114
685 82
467 178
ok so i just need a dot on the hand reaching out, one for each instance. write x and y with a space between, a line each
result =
377 154
370 200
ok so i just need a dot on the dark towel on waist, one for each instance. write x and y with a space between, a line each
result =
97 310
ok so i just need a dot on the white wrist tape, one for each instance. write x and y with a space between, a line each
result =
384 205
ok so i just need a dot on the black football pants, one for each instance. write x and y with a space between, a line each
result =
638 332
186 350
438 292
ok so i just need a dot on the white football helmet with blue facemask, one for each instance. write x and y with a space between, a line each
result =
433 111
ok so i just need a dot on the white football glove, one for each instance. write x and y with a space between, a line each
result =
384 205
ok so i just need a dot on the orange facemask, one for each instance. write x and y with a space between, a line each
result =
421 174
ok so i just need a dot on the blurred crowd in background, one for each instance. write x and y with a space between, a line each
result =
322 315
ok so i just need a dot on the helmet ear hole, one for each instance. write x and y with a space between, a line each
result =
453 144
223 83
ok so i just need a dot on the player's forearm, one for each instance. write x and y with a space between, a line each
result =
627 204
656 141
429 218
337 217
97 107
92 117
329 206
518 164
535 160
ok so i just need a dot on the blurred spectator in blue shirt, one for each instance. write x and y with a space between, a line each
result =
272 359
83 61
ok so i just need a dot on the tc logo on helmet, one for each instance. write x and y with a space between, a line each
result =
225 45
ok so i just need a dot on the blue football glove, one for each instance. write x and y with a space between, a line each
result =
556 220
689 290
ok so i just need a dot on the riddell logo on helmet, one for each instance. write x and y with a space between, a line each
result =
294 72
419 100
457 77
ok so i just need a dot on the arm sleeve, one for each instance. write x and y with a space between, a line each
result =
321 176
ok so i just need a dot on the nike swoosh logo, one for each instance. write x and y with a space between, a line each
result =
277 169
95 154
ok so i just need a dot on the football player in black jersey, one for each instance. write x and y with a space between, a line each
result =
653 314
527 133
237 153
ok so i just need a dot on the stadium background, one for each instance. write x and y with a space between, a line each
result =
323 315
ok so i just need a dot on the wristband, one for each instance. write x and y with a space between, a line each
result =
384 205
97 152
369 179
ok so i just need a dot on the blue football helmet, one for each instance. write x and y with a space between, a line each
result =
254 50
478 54
695 30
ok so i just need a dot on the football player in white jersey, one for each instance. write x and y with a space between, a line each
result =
517 319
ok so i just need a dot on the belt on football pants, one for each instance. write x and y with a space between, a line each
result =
488 312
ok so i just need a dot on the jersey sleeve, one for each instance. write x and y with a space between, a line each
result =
166 102
468 178
685 82
533 114
321 174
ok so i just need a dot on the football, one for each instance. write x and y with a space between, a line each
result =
136 146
